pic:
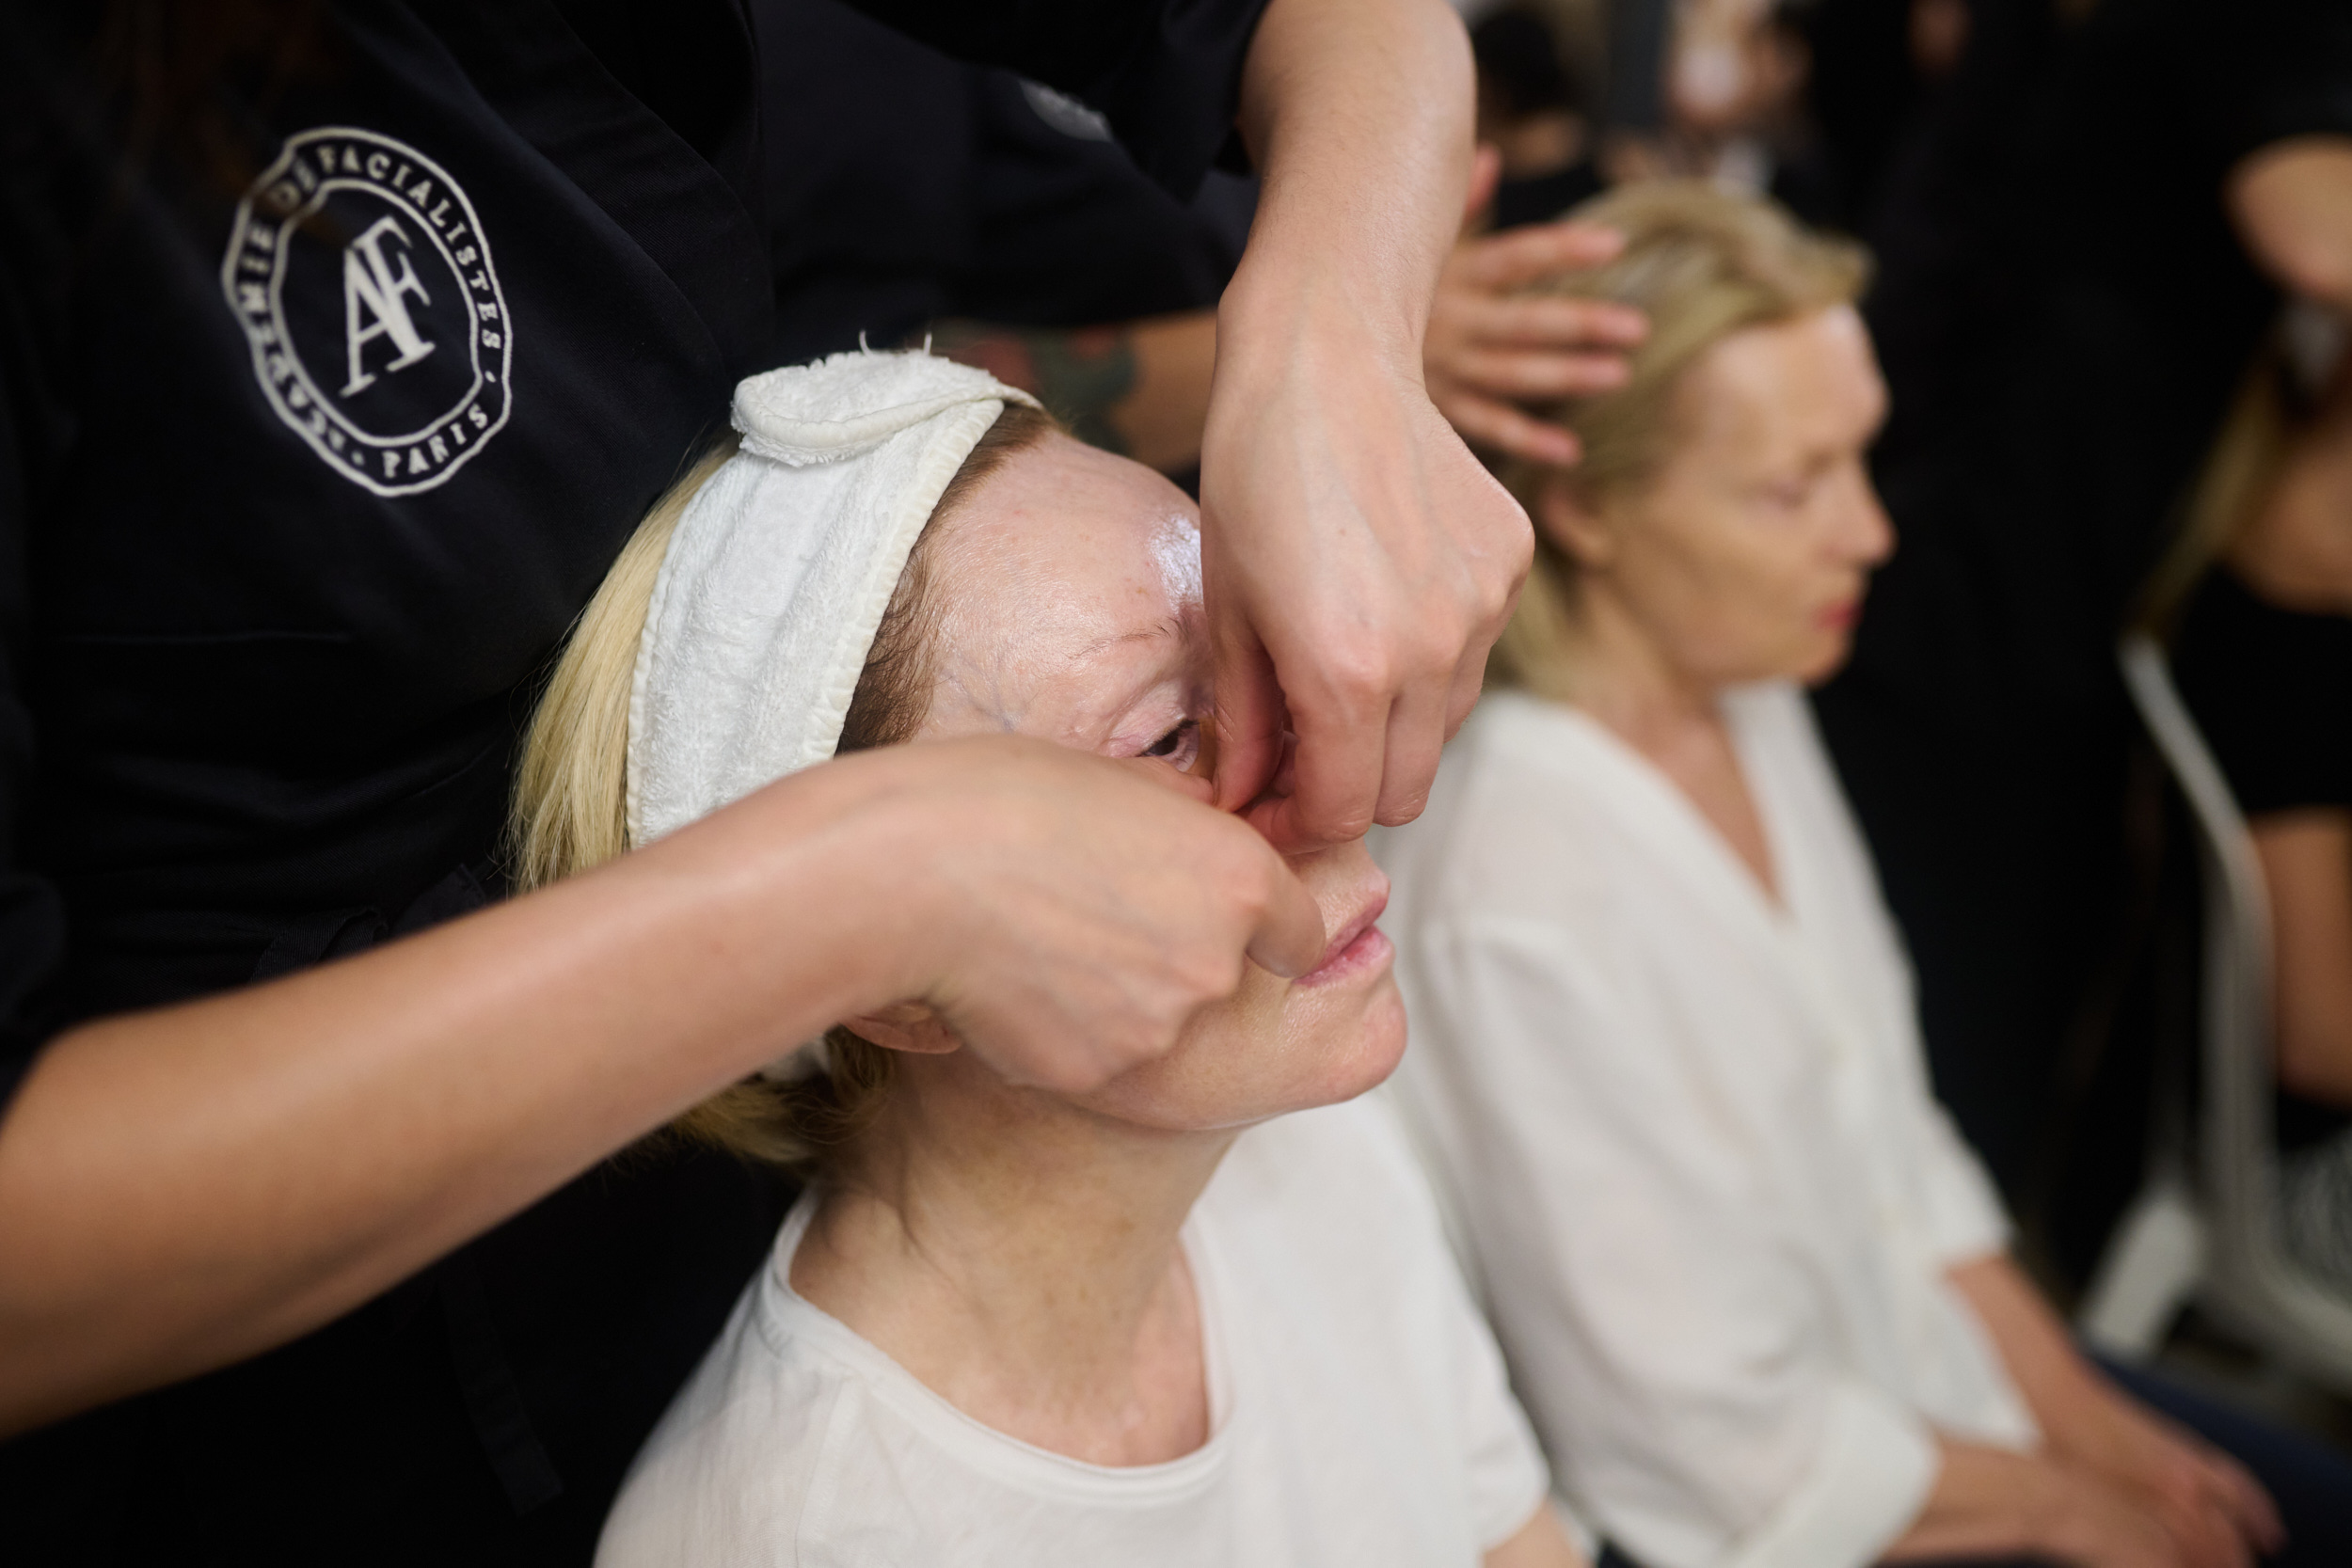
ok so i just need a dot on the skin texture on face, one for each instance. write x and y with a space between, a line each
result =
1069 596
1746 556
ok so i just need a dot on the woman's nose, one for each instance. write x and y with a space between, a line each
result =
1866 535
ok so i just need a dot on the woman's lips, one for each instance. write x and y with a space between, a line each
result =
1360 946
1842 615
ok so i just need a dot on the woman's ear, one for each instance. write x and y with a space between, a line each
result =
1563 517
904 1027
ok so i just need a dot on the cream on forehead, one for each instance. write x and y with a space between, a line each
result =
1176 551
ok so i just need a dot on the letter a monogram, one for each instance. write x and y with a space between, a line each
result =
371 287
427 346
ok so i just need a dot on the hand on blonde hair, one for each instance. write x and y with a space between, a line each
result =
1489 348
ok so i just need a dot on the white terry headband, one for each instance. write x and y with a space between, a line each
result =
781 569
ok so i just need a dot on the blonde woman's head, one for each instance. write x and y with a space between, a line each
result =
1721 502
1055 593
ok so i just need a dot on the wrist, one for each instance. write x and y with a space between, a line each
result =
1282 317
2057 1522
2091 1428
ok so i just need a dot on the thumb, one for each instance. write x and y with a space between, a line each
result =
1247 698
1289 938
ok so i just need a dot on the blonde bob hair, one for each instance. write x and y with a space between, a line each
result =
570 804
1701 263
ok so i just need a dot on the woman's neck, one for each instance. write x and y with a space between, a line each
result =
1020 1258
1623 675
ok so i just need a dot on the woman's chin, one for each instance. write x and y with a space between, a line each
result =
1349 1039
1824 660
1362 1058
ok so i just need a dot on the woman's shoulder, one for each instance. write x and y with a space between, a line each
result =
728 1473
1528 799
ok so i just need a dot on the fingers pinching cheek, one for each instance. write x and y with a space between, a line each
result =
1248 727
1335 784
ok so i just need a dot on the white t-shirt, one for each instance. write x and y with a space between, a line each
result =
1687 1133
1358 1407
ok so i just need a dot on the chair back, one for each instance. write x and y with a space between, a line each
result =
2249 1281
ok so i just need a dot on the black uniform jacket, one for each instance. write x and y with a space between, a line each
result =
945 189
335 376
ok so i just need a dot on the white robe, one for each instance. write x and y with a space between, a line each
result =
1688 1140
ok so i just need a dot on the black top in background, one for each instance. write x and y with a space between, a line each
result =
2062 312
906 186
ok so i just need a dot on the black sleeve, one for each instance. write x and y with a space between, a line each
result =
34 255
1167 73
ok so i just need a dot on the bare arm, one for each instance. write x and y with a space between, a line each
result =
2105 1442
185 1187
1989 1503
1359 560
2307 866
1141 388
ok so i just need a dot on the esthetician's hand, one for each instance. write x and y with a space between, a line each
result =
1489 348
1074 911
1359 562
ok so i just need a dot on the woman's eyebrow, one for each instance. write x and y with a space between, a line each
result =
1169 627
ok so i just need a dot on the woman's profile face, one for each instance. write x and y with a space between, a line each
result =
1069 595
1746 556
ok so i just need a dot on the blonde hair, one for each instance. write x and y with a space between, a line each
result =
1701 263
569 811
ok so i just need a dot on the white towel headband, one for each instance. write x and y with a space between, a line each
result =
777 578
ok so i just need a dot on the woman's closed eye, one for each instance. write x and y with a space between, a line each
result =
1179 747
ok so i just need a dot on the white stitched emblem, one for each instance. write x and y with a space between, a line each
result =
363 281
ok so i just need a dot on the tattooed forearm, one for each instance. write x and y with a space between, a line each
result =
1080 374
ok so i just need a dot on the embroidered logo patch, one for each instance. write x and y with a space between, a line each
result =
364 281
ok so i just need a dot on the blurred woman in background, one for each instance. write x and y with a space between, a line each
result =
2257 596
1754 1290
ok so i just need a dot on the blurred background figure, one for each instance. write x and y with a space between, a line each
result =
2085 245
2257 598
2115 256
1753 1289
1535 113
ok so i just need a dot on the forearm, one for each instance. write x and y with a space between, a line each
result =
188 1187
2069 1399
2307 866
1359 116
1139 388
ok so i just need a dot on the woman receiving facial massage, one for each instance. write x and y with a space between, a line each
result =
1751 1286
1164 1321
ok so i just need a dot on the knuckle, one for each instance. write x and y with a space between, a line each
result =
1358 671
